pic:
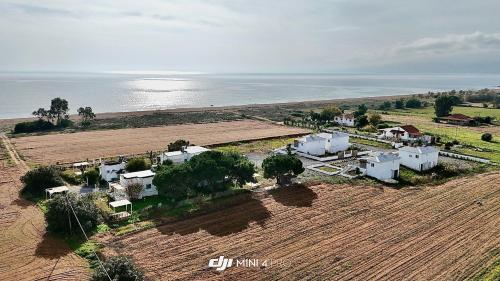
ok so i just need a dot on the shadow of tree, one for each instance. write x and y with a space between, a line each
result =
23 203
294 196
224 222
51 247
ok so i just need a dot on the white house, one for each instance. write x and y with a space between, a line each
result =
382 166
183 155
419 158
145 178
345 120
321 143
110 170
405 132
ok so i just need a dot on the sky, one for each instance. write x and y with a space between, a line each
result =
295 36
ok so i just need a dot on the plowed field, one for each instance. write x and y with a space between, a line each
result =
49 149
323 232
26 252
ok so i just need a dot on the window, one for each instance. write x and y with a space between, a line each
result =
416 156
410 156
373 165
148 186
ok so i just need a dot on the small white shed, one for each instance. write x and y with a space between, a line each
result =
419 158
382 166
49 192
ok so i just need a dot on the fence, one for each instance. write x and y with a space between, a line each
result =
464 157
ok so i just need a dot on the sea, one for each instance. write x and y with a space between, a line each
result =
23 92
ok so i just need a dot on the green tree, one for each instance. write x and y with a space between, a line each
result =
399 104
329 113
375 119
174 181
486 137
91 177
241 170
282 167
413 103
362 109
60 218
177 145
37 180
385 105
41 113
443 105
119 268
59 109
137 164
86 114
361 121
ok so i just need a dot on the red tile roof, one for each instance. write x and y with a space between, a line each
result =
411 129
458 116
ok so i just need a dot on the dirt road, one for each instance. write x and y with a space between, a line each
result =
26 251
49 149
447 232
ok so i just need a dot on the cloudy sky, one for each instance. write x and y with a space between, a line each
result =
423 36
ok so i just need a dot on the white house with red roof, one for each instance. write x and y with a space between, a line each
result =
405 133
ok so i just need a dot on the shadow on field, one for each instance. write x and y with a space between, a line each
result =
294 196
51 247
224 222
23 203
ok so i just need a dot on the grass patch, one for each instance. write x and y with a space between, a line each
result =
492 272
261 146
84 249
328 169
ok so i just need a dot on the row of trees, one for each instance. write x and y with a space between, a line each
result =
206 173
55 117
402 103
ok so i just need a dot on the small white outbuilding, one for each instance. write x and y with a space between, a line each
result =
345 120
382 166
145 178
419 158
110 170
320 144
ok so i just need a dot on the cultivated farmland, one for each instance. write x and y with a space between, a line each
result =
26 251
342 232
49 149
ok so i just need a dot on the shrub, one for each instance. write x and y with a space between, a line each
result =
413 103
118 268
91 177
133 190
37 180
486 137
382 126
448 145
177 145
65 123
71 178
84 207
33 126
137 164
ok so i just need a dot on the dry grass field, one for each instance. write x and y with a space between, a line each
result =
26 252
63 148
341 232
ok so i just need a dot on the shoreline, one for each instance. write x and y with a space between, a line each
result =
7 122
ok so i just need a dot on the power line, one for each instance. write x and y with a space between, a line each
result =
85 234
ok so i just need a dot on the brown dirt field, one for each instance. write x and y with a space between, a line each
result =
26 251
324 232
63 148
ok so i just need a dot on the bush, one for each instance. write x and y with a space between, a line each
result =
91 177
65 123
486 137
382 126
137 164
33 126
133 190
85 209
413 103
119 268
37 180
71 178
177 145
448 145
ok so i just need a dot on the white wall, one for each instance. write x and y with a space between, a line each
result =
382 170
312 147
418 161
151 191
109 172
337 144
344 121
